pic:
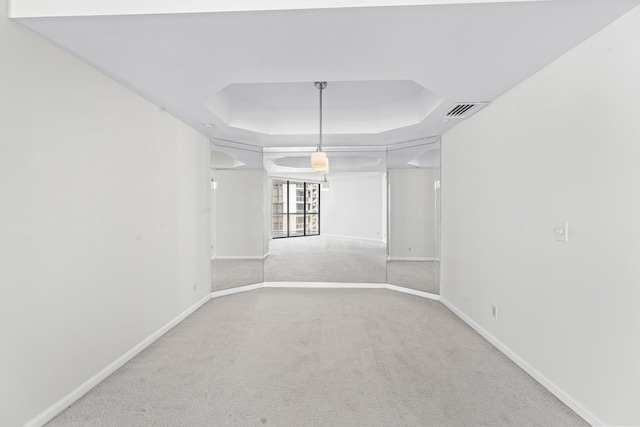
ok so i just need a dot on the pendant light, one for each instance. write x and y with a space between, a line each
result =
319 161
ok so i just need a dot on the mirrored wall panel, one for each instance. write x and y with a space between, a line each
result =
413 258
238 190
327 227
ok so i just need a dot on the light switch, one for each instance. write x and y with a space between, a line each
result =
562 231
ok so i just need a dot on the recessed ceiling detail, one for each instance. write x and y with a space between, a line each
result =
356 107
250 72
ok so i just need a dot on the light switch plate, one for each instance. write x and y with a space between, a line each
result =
561 231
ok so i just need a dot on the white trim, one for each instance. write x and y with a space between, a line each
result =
353 238
411 258
565 398
266 255
231 291
415 292
59 406
325 285
224 257
340 285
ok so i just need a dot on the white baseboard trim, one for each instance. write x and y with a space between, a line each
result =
415 292
396 258
231 291
62 404
224 257
533 372
339 285
325 285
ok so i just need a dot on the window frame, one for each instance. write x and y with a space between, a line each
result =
286 212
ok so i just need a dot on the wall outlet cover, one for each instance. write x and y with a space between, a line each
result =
561 231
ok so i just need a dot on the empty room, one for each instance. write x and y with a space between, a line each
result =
287 213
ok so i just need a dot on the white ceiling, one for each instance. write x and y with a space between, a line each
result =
393 72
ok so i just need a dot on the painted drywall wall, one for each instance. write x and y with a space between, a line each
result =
239 208
562 146
104 222
353 207
412 214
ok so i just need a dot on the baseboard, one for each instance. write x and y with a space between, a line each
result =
533 372
325 285
224 257
231 291
396 258
415 292
339 285
62 404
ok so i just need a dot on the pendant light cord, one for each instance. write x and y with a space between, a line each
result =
320 144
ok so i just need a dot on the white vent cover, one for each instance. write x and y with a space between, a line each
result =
463 110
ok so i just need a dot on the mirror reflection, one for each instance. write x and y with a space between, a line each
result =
373 218
327 227
414 216
238 188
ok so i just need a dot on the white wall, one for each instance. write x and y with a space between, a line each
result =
103 222
354 207
563 145
412 214
239 205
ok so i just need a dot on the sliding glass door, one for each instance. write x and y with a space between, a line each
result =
295 209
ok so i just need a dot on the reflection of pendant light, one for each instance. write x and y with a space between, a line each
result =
319 160
325 185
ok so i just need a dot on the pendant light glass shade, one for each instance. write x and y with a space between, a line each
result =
324 168
319 160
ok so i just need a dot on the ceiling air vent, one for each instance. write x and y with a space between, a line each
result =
463 110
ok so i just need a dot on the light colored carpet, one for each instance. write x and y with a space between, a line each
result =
325 259
320 357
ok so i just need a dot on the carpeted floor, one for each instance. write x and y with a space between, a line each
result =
325 259
320 357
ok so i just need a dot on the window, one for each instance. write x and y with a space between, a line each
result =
295 209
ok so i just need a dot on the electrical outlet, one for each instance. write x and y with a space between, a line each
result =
494 311
561 231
